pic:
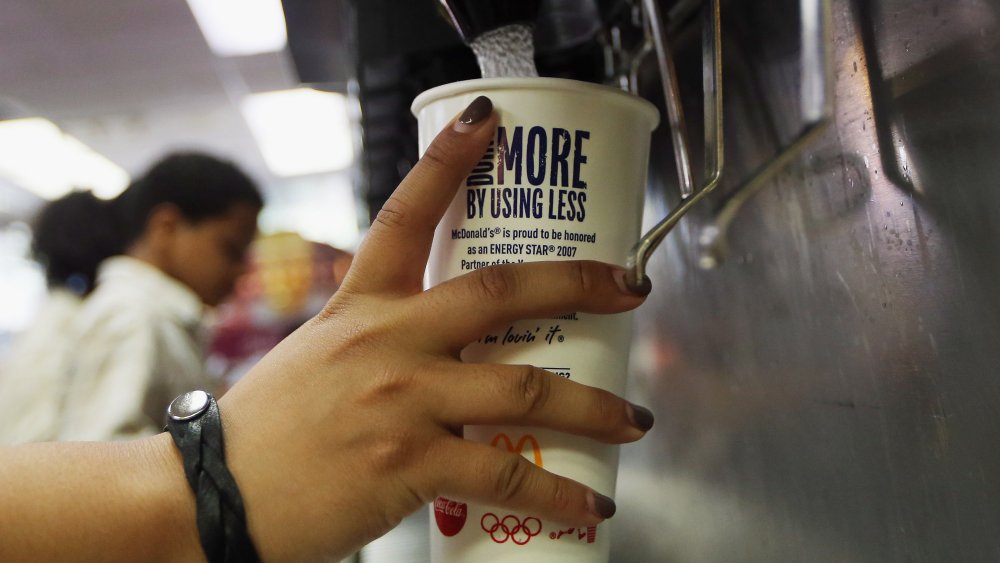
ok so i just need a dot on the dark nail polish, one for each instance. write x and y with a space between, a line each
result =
604 506
642 417
478 110
643 288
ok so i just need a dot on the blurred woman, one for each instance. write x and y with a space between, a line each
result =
186 226
70 241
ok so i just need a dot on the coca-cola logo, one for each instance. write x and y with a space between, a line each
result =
450 515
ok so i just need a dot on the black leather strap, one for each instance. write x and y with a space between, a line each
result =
222 523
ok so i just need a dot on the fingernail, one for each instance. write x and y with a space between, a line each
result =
641 290
641 417
601 505
478 110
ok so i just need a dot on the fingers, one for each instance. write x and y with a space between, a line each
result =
394 253
489 297
491 476
530 396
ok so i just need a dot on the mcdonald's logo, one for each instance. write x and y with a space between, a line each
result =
517 449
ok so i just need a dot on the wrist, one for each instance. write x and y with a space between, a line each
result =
160 482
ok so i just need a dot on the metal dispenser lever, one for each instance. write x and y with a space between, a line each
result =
671 95
817 110
714 149
816 98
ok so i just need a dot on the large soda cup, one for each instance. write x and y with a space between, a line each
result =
563 179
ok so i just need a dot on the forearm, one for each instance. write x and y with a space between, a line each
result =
125 501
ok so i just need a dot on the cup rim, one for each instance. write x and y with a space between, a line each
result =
483 85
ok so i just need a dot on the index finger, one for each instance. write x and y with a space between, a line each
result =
394 253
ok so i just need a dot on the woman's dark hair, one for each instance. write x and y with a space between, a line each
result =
71 239
199 185
75 233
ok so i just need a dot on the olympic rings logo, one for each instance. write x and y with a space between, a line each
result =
510 527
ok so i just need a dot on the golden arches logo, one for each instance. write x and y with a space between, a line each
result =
525 439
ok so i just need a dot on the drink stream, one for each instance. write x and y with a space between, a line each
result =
507 51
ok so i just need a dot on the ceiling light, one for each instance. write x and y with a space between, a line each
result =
40 158
300 131
241 27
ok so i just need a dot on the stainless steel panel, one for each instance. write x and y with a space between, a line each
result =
832 391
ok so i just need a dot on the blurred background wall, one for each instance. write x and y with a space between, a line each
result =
830 392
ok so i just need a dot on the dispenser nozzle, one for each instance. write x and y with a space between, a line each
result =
473 18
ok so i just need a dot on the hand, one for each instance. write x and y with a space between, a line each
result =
354 421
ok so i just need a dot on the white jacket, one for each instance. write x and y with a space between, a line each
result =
32 378
139 342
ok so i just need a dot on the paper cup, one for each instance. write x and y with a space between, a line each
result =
563 180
